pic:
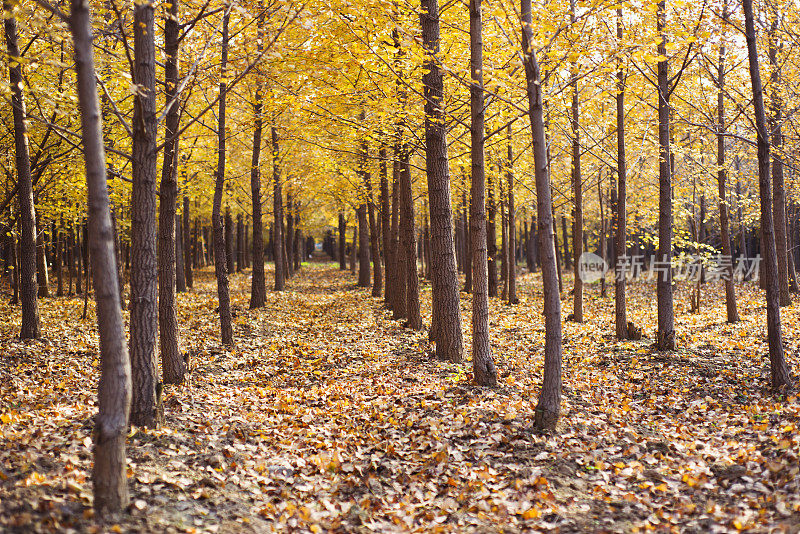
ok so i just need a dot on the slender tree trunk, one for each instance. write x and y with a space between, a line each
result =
288 238
722 176
512 222
503 238
146 402
567 257
222 261
342 242
467 201
27 219
386 216
277 207
363 246
189 244
619 228
172 364
491 238
603 240
778 186
398 277
448 335
549 405
230 244
666 315
409 245
377 277
59 259
577 191
180 271
780 377
114 390
240 241
482 362
258 288
77 252
42 276
118 256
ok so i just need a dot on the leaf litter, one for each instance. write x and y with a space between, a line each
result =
328 416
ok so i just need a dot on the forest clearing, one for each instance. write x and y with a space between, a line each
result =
328 416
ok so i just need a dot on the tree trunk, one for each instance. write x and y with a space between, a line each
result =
620 210
188 245
222 260
467 239
114 390
277 207
398 277
549 404
666 315
354 246
230 244
27 220
377 277
722 175
342 242
240 242
172 364
258 287
567 257
577 191
409 246
778 187
512 223
482 362
288 238
59 259
363 246
386 216
491 239
146 403
180 270
445 295
42 276
780 378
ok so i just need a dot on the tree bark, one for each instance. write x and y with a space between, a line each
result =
172 364
512 222
258 287
363 246
620 211
377 277
491 238
27 219
409 246
146 403
577 190
482 362
778 186
549 404
114 390
189 245
780 378
342 242
722 175
666 315
386 216
42 276
277 208
445 294
222 260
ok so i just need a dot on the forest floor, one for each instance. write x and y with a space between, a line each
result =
329 416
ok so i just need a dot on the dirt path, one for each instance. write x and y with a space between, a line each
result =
328 416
